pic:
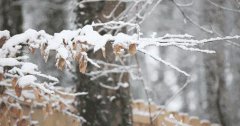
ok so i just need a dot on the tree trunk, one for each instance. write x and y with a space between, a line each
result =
11 16
101 107
214 64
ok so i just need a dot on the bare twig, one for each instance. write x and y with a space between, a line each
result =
178 92
190 20
145 90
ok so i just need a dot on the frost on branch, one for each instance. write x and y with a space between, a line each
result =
20 79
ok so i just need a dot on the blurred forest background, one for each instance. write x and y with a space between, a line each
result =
213 90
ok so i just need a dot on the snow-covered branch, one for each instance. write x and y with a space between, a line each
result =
21 78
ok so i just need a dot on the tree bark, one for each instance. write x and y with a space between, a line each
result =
101 107
11 16
214 64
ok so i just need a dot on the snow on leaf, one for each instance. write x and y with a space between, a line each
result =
101 41
5 33
29 94
26 80
122 39
86 29
132 49
27 36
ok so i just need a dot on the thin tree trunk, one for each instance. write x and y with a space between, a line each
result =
215 69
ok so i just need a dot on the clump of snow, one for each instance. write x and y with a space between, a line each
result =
86 29
63 52
28 35
12 45
28 94
124 85
121 38
5 33
81 5
9 62
88 35
29 67
93 37
26 80
124 39
101 41
63 37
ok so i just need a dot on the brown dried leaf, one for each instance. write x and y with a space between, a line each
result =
43 47
77 57
18 90
44 53
48 109
132 49
117 49
2 40
14 82
37 94
61 64
62 106
23 122
1 116
74 45
1 76
15 112
83 47
32 50
82 65
3 108
2 89
104 52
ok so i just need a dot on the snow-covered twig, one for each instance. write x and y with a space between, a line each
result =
71 94
124 85
163 61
